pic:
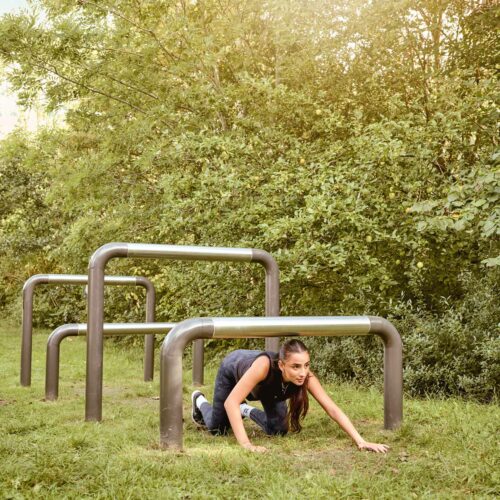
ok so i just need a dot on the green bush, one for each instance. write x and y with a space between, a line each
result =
455 351
360 153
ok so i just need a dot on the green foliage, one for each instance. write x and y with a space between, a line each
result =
28 226
355 141
453 352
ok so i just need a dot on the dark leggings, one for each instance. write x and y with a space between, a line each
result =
272 420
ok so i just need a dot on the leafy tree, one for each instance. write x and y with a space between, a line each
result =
356 141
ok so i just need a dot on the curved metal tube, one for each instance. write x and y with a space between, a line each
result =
80 329
27 326
393 370
52 358
97 264
272 291
80 279
171 377
174 344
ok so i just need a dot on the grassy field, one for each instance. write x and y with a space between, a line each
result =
445 449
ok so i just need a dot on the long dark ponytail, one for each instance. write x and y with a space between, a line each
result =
299 402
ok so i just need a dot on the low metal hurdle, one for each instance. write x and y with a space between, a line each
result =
95 307
81 279
171 431
80 329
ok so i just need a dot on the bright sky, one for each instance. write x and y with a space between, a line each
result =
10 115
11 5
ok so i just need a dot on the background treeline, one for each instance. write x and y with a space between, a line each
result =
355 140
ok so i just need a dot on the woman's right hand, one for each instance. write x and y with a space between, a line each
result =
377 448
253 448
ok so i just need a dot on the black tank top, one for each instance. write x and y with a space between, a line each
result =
272 388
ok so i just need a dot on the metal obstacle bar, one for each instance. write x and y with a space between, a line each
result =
225 328
80 329
97 264
80 279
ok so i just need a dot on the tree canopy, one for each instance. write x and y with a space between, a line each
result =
356 141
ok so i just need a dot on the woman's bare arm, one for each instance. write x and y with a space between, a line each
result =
255 374
334 412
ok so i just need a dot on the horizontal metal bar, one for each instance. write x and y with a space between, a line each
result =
291 326
129 328
82 279
182 252
70 279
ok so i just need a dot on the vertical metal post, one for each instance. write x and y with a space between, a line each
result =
93 387
52 359
27 326
95 314
149 340
393 371
171 378
272 291
198 362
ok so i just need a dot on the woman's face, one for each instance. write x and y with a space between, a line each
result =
295 368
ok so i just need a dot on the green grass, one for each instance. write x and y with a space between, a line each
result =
445 449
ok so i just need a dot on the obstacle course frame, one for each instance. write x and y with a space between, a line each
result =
171 431
80 279
95 305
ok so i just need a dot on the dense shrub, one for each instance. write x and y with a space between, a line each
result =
452 352
356 141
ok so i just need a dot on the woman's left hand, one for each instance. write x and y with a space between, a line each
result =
377 448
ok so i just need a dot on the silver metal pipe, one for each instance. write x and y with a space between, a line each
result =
82 279
186 252
80 329
97 264
110 329
175 342
79 279
149 340
272 291
27 326
304 326
171 377
393 370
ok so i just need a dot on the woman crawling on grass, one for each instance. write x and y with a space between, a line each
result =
271 378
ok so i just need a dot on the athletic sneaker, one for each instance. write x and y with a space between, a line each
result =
196 415
245 410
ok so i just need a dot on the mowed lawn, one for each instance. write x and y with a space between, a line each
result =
445 449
